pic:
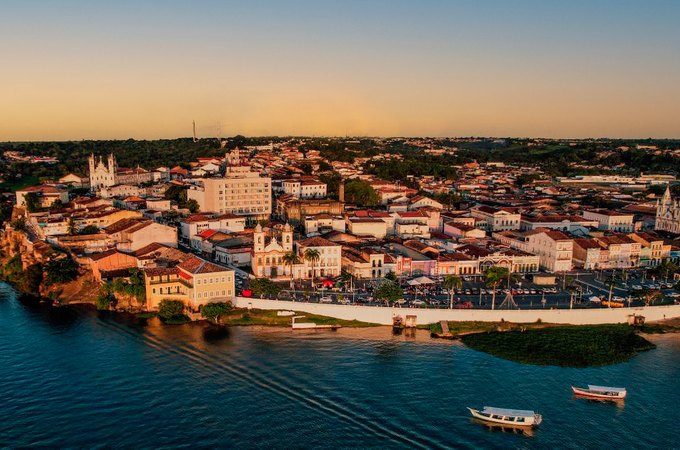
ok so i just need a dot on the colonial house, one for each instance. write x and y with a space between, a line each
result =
194 282
133 234
496 219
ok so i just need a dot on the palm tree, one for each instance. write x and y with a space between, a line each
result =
493 276
290 259
312 255
452 282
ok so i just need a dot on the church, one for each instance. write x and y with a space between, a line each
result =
667 214
107 175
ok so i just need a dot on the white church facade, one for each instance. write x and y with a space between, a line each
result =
667 214
108 174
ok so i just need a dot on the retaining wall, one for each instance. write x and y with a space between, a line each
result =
383 315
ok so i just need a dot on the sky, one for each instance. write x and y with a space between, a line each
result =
512 68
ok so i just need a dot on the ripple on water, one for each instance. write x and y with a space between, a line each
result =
77 378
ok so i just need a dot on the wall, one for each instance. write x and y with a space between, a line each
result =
382 315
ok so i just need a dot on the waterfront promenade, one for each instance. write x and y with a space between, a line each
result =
383 315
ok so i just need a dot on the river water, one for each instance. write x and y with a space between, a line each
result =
72 377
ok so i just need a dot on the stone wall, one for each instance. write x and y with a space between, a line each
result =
383 315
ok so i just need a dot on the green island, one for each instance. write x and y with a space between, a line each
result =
563 345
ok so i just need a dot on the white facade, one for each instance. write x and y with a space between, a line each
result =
240 191
611 220
227 223
554 249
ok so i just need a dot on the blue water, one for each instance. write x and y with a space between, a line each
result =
72 377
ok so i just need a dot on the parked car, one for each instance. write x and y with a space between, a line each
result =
325 299
344 301
418 302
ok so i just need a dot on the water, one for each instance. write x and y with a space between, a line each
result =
74 378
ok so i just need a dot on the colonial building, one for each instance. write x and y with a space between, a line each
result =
106 175
667 214
270 245
194 282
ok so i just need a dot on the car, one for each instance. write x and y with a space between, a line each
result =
595 299
467 292
401 301
418 302
325 299
533 292
674 294
636 287
483 291
344 301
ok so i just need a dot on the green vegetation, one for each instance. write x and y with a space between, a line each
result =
389 290
360 193
135 287
172 312
26 281
104 301
61 269
213 311
567 346
264 287
270 318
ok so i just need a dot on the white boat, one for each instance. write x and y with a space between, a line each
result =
310 325
511 417
601 392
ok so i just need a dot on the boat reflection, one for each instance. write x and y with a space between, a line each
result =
523 431
620 403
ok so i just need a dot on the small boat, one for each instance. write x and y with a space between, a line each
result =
511 417
601 392
310 325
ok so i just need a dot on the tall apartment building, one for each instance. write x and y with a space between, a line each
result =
241 191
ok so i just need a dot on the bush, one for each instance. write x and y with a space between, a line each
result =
213 311
171 310
104 301
264 286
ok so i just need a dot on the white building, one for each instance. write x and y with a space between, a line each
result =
667 214
611 220
305 188
554 248
324 223
240 192
496 219
197 223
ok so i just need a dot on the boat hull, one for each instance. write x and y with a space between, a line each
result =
598 395
491 420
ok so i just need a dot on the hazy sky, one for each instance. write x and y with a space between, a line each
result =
143 69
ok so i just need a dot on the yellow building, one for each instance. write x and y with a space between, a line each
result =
194 282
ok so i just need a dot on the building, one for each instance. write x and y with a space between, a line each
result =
197 223
241 192
411 224
193 281
667 214
462 231
324 223
107 175
653 249
270 245
557 222
554 248
496 219
608 220
133 234
291 208
45 194
304 188
367 263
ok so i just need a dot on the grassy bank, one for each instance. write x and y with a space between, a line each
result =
269 318
567 346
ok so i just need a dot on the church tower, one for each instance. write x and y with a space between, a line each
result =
258 239
287 238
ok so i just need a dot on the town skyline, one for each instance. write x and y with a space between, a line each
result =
115 71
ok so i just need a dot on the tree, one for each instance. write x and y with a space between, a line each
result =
104 301
169 310
391 276
264 287
32 200
493 276
389 290
19 224
90 229
360 193
213 311
31 279
57 204
193 206
312 255
650 296
60 269
452 282
306 168
290 259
